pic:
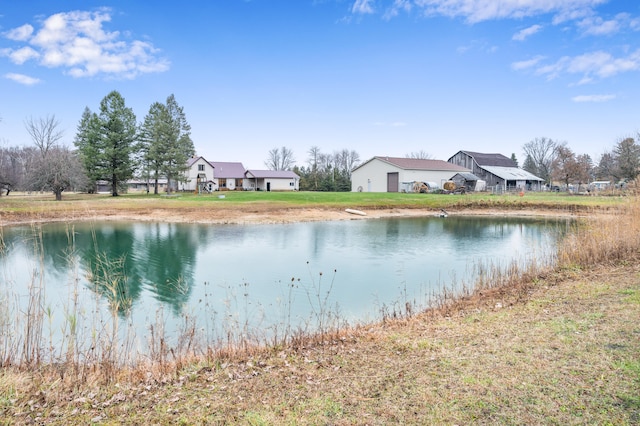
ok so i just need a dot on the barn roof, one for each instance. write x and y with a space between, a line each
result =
418 164
491 159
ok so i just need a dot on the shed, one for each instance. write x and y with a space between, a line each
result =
469 181
271 180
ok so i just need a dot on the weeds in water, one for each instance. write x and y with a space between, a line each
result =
325 317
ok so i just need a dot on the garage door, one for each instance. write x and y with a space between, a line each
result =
393 182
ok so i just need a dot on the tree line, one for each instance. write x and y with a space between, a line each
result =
556 162
110 147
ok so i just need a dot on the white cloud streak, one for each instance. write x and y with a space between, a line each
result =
590 65
526 33
22 79
529 63
78 43
593 98
474 11
362 7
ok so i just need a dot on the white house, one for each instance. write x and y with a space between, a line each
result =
199 176
390 174
271 180
228 175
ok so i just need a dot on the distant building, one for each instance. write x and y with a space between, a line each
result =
271 180
394 174
228 175
199 175
499 172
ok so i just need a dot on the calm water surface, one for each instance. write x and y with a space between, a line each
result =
258 277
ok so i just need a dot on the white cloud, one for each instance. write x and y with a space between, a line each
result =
595 25
593 98
362 6
19 34
523 34
22 55
78 42
598 64
398 5
529 63
22 79
483 10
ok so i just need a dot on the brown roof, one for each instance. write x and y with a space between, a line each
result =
419 164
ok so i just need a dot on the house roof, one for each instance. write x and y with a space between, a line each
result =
418 164
227 170
276 174
511 173
191 161
491 159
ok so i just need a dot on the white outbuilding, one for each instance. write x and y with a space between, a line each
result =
387 174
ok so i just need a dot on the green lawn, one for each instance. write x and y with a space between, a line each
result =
17 202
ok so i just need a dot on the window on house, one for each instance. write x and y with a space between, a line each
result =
201 167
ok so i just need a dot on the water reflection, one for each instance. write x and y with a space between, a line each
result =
267 274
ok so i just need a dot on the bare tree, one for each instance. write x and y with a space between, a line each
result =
45 132
564 166
542 153
314 154
280 159
58 171
346 160
419 155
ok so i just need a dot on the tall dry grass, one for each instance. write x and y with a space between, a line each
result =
603 240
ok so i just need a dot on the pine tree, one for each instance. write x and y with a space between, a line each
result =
117 135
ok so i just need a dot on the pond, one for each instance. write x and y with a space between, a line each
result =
245 282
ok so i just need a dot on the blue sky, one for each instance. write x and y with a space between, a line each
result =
381 77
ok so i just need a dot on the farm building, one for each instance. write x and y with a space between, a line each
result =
227 176
393 174
499 172
271 180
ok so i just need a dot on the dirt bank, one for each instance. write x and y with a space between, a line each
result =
250 215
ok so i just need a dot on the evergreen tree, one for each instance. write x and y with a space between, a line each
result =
627 156
179 144
151 142
88 143
530 165
117 134
166 142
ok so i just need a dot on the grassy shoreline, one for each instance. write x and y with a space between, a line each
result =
556 346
